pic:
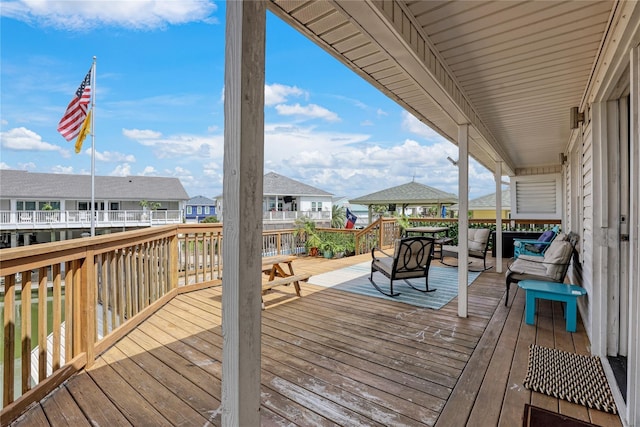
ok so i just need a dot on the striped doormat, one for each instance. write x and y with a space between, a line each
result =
573 377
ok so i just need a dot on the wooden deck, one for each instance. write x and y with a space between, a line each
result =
328 358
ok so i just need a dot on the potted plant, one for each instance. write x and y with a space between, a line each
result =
328 249
306 228
312 244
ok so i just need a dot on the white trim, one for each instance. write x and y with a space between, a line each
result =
463 220
633 360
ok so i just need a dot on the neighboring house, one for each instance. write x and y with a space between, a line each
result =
411 198
285 199
360 211
199 208
45 207
484 207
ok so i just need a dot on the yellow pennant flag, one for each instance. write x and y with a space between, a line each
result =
84 131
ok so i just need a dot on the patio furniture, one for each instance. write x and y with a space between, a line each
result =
411 259
478 244
552 267
275 274
433 232
537 289
534 247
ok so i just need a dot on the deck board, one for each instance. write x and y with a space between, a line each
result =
328 358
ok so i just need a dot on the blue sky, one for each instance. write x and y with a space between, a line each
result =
159 105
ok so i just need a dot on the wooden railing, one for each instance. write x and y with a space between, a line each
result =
380 233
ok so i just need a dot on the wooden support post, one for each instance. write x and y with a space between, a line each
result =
498 241
242 226
463 218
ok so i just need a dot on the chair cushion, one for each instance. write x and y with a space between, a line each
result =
478 238
530 266
557 257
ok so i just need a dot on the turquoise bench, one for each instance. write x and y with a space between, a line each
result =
555 292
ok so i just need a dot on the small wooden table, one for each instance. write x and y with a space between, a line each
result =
428 230
555 292
433 231
273 266
279 275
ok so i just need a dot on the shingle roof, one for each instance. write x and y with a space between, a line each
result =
412 193
275 184
16 183
488 201
201 200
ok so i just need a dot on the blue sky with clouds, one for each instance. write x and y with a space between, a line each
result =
159 104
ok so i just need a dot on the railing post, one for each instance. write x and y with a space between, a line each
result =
174 261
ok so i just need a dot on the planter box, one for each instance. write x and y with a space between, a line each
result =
507 241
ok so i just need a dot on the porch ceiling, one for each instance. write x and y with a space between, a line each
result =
512 70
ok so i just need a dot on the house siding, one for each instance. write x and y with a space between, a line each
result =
586 243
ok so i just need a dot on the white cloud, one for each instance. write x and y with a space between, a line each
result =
121 170
23 139
84 15
112 156
278 94
149 171
415 126
3 165
141 134
179 146
62 169
310 111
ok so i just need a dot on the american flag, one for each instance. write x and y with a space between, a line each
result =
70 123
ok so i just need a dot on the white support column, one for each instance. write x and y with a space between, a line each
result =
633 361
498 178
463 218
242 227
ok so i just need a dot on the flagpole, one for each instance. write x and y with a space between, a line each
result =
93 148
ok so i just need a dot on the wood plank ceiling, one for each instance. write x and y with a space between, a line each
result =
511 69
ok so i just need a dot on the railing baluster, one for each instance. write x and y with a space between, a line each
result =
9 338
25 297
57 316
68 309
42 324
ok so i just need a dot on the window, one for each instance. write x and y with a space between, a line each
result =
114 206
319 206
26 206
206 210
189 210
199 209
313 206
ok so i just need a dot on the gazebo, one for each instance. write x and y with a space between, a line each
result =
406 195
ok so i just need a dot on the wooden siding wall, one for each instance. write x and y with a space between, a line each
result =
585 249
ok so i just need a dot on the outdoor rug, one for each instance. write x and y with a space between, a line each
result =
573 377
355 279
